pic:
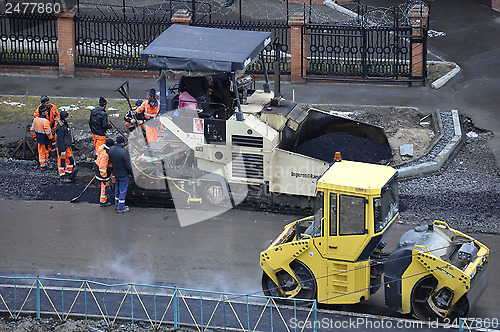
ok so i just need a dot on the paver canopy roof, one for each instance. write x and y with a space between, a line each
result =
191 49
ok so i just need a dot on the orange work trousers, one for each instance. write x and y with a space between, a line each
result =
43 154
105 190
98 141
152 133
65 164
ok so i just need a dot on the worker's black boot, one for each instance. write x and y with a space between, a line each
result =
65 179
73 174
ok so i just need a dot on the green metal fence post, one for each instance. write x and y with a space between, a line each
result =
175 309
271 307
15 298
85 300
315 313
248 315
37 298
201 310
132 302
154 296
62 299
295 313
223 299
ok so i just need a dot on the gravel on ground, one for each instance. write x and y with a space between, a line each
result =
465 194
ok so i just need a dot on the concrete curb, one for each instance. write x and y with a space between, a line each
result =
431 167
445 78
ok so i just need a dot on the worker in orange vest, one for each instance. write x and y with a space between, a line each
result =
98 123
53 115
43 133
65 160
133 119
104 171
150 109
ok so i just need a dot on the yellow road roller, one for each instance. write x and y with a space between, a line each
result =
337 255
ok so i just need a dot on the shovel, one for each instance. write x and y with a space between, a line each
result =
84 190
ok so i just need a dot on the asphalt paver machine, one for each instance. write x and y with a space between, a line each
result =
259 146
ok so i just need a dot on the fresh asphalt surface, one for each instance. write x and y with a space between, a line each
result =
149 246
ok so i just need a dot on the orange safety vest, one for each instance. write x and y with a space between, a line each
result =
150 111
103 163
41 130
53 115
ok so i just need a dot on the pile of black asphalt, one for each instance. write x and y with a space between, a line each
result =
25 180
351 148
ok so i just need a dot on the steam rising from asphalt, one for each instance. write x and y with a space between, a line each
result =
122 267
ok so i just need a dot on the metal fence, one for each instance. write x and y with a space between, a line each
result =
280 34
158 306
27 39
377 44
357 52
114 43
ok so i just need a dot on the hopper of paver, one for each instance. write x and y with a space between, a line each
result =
319 134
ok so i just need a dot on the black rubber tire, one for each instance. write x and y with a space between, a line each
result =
306 279
214 194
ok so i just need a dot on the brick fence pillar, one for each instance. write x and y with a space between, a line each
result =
495 5
298 50
315 2
419 16
182 16
343 2
66 43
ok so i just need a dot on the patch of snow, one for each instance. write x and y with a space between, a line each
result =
434 33
115 115
340 113
69 108
472 134
13 103
89 107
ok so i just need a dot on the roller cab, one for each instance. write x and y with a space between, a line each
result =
327 256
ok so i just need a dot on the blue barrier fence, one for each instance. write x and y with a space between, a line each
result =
160 306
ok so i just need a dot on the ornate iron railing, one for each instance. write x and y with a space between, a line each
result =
114 43
375 44
352 52
280 35
27 39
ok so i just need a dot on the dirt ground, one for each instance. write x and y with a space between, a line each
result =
403 125
42 325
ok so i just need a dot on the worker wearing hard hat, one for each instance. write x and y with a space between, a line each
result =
43 133
65 160
99 124
103 170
